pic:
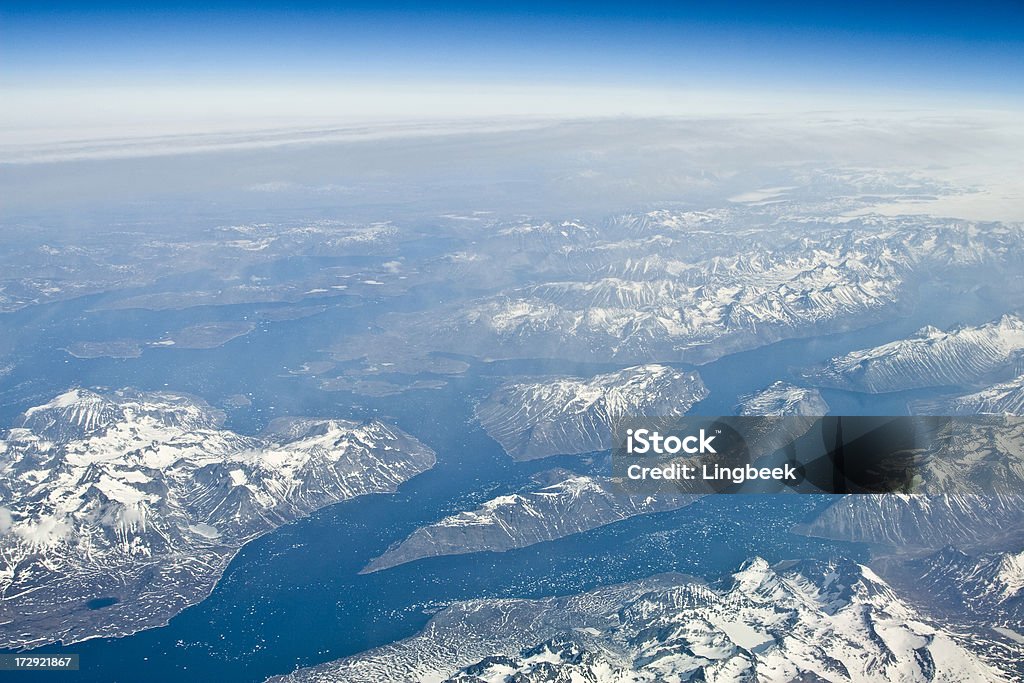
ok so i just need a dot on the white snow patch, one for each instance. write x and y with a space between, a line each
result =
205 530
49 530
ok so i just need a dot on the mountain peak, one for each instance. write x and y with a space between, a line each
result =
145 492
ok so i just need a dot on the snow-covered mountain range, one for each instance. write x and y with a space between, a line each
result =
988 586
931 358
566 415
119 509
684 286
798 621
782 398
575 504
1004 398
896 519
978 593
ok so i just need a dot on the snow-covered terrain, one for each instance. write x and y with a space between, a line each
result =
967 520
687 285
822 621
782 398
989 586
632 246
931 358
575 504
1004 398
565 415
121 508
977 593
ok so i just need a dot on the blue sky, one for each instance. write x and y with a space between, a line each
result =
57 56
870 44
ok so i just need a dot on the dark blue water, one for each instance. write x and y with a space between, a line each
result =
295 598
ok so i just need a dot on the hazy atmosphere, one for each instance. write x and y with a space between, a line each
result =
327 332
